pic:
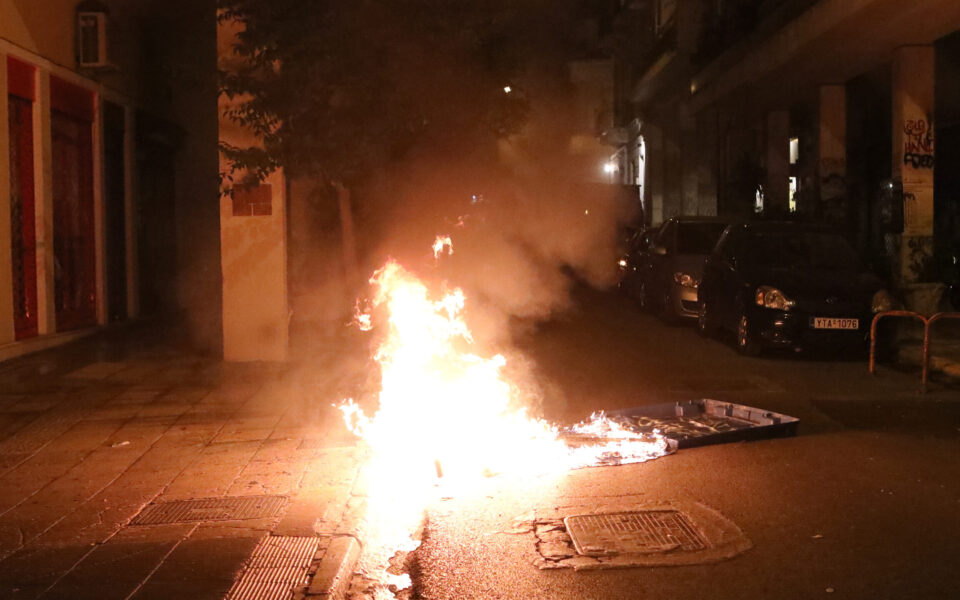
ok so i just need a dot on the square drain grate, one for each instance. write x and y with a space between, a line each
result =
640 532
211 509
277 567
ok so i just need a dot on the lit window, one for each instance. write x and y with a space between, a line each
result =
794 150
794 189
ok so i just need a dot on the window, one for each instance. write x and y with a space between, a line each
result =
758 199
794 190
666 10
254 201
698 238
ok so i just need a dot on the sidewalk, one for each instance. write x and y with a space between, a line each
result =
94 433
944 352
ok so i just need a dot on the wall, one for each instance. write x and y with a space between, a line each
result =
163 71
194 103
253 247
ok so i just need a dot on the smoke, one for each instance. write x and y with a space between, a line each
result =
524 233
528 218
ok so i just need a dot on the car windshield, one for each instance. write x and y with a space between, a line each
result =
801 249
698 238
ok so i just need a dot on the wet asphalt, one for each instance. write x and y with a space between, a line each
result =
863 503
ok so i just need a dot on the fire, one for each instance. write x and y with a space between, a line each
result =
447 411
442 241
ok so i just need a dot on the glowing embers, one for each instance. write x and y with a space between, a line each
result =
444 406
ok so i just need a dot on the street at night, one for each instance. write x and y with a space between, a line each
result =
479 299
860 503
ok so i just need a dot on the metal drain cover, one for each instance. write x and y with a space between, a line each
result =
639 532
211 509
277 567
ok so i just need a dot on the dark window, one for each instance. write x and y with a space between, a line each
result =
698 238
255 201
805 250
665 235
725 246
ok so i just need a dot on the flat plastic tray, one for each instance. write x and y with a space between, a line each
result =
703 422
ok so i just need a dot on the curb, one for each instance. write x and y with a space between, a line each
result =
332 579
938 364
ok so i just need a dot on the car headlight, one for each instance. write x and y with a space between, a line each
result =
882 301
770 297
686 279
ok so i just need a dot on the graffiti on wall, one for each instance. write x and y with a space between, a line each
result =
918 146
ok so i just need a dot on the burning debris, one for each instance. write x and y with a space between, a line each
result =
433 382
448 416
442 242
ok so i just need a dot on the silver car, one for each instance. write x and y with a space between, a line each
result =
670 274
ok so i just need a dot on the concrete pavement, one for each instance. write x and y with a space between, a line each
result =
944 352
93 433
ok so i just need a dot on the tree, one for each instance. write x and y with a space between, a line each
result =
335 90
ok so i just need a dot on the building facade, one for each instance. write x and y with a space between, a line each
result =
836 111
108 135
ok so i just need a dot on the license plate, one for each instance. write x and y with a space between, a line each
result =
835 323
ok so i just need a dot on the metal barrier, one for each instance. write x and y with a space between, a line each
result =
927 323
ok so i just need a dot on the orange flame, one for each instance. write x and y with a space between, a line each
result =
440 406
442 241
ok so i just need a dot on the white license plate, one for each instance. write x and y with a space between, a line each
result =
835 323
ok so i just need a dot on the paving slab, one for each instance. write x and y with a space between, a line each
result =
89 438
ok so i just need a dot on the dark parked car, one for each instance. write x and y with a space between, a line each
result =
667 275
788 285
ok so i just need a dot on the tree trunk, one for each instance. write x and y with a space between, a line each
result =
347 236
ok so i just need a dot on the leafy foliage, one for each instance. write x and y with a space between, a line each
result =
336 89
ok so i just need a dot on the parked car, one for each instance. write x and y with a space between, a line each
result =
788 285
667 275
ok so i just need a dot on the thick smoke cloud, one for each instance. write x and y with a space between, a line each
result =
521 237
527 218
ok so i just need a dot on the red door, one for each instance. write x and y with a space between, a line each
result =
23 234
74 245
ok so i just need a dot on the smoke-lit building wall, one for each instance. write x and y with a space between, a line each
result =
107 128
818 110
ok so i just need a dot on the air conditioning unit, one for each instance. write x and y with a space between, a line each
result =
92 39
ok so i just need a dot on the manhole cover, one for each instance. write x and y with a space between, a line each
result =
633 533
277 567
210 509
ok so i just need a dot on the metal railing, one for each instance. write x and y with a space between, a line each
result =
927 323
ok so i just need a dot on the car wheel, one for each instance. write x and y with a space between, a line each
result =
705 326
747 342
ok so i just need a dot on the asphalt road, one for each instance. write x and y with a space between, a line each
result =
863 503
